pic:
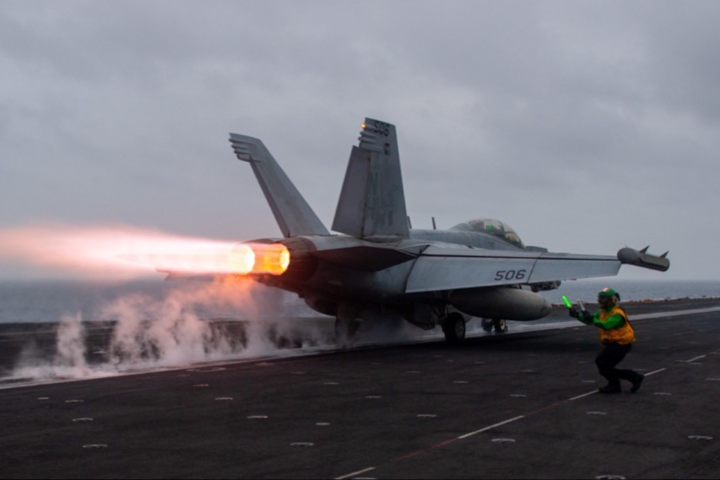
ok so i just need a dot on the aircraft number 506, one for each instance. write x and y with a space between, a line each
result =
501 275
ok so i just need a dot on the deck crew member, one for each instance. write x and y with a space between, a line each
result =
617 336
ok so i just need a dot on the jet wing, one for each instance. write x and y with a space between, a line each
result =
448 268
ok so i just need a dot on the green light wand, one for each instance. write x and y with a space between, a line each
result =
569 304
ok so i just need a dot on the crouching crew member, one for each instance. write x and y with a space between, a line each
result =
617 335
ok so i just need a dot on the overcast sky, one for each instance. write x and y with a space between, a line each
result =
586 125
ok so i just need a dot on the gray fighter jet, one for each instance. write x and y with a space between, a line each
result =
379 269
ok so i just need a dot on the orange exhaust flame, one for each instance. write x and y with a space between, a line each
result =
273 259
243 259
122 251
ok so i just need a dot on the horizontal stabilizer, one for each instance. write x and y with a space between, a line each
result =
292 213
366 258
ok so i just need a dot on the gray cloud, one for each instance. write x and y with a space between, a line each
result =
586 125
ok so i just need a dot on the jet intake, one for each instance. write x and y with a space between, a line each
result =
500 302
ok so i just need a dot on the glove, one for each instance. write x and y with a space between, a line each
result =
574 313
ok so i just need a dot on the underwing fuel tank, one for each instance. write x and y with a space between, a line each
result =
499 302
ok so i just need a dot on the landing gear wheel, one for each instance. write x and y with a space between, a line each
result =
500 325
487 324
454 328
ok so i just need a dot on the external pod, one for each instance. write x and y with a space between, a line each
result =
640 258
501 302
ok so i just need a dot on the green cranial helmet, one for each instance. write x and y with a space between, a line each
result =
608 292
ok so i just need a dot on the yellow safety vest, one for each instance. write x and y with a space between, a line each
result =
622 335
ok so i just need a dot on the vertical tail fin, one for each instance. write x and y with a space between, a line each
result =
372 200
292 213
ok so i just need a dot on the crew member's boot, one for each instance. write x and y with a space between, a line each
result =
637 382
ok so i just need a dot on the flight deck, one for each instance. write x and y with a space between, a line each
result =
517 405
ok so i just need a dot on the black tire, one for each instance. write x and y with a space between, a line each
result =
500 325
487 324
454 328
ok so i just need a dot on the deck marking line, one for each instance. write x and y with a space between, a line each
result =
548 407
696 358
582 396
595 391
675 313
350 475
418 452
462 437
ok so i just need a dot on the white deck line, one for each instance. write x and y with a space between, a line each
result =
359 472
462 437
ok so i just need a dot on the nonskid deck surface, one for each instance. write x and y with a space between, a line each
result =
499 406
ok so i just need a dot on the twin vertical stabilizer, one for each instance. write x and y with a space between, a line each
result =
372 201
292 213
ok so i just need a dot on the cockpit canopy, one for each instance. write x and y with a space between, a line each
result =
493 227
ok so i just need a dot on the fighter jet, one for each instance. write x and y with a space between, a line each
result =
379 269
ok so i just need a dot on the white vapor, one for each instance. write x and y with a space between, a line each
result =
150 333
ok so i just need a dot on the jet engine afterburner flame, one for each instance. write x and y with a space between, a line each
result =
129 251
242 259
273 259
259 259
